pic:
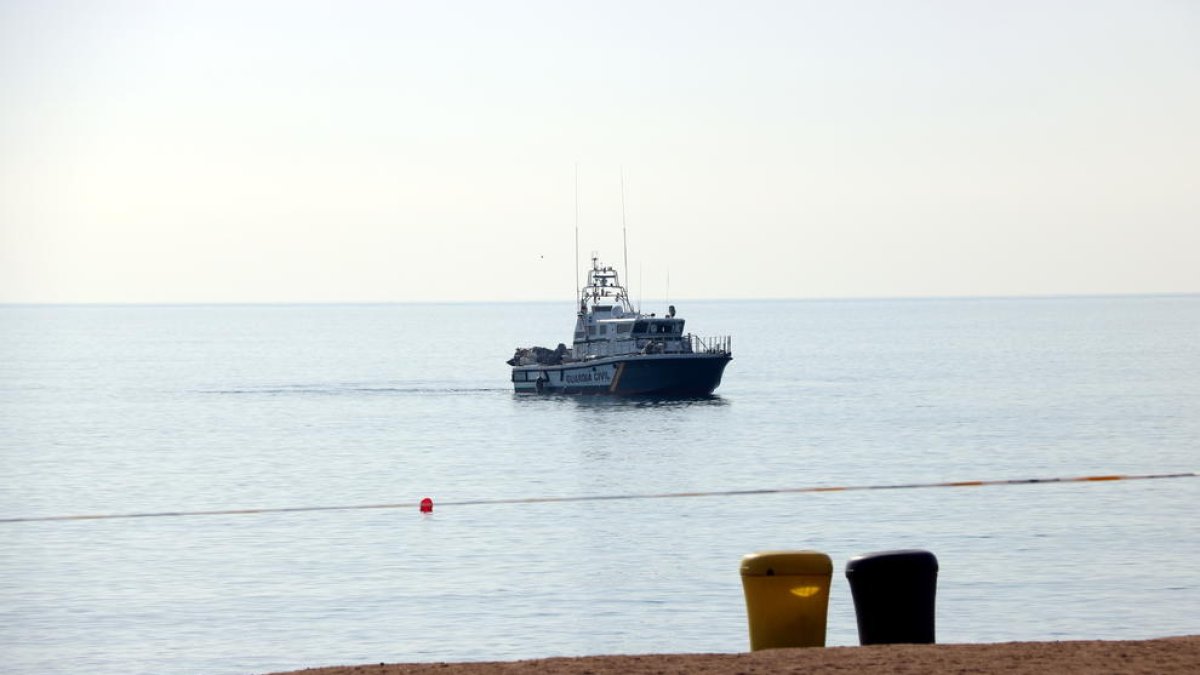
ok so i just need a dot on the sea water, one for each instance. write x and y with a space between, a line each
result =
148 409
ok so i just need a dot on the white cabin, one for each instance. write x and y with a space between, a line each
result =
608 325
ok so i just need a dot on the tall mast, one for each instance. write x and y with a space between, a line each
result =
577 288
624 234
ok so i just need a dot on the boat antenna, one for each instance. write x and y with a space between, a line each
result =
639 302
577 290
624 232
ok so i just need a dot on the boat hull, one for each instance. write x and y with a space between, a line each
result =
630 375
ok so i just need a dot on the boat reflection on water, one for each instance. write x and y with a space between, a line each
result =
607 402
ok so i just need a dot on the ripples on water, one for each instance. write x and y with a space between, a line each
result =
150 409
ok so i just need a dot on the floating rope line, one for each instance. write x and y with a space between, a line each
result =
601 498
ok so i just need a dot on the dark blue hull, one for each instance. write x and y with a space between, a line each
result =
682 375
698 376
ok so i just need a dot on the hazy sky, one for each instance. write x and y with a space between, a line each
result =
213 151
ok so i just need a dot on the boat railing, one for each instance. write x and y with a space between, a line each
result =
721 344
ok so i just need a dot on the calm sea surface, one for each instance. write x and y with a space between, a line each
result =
177 408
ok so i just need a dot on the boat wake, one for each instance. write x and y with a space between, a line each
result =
355 389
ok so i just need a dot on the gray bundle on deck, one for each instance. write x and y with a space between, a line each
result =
538 355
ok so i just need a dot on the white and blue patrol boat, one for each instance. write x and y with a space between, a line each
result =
620 351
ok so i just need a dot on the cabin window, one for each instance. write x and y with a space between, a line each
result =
591 330
624 327
658 327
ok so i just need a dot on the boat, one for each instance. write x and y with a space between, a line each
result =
619 351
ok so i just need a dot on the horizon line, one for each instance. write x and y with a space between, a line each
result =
863 298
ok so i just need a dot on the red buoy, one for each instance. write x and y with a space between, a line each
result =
427 505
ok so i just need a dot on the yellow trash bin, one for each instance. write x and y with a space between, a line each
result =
787 598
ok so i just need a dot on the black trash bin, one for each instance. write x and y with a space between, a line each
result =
894 596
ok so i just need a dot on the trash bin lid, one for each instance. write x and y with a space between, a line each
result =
907 559
784 563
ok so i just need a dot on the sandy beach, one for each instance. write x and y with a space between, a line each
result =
1166 655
